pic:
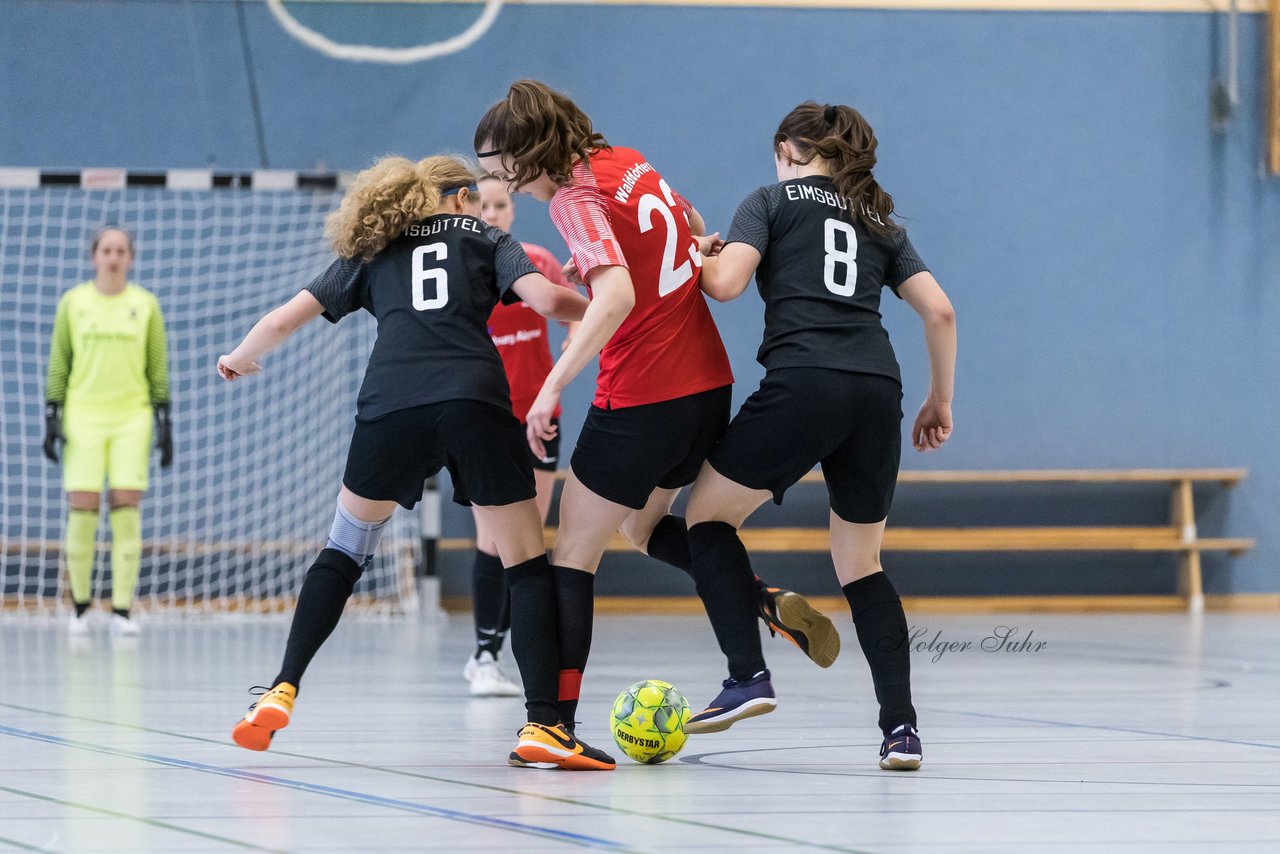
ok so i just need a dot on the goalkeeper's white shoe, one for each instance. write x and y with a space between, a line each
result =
124 627
487 678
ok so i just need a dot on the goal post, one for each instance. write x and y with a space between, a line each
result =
235 521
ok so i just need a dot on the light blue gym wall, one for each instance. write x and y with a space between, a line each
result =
1115 265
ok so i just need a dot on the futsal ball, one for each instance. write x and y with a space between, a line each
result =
648 721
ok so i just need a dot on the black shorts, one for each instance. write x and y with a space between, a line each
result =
624 454
482 445
849 422
553 450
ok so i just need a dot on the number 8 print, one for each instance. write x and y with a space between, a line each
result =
847 256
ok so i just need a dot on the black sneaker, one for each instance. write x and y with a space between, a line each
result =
789 614
901 750
736 701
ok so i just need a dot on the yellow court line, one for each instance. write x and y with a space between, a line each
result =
1201 6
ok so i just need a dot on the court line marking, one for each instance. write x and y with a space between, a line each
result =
697 759
142 819
328 791
22 846
484 786
1130 730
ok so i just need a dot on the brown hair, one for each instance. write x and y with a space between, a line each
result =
102 232
389 196
844 139
538 130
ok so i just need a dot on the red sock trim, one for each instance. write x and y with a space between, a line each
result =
570 684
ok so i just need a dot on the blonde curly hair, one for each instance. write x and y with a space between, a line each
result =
389 196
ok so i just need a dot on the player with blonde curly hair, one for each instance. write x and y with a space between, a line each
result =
434 396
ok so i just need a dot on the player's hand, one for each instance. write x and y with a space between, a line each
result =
164 434
709 244
540 427
230 371
932 427
52 429
570 270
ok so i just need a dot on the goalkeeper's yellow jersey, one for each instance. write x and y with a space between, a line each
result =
108 354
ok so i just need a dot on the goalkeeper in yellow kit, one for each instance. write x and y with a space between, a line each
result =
108 377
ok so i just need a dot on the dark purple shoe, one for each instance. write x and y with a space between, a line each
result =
736 701
901 750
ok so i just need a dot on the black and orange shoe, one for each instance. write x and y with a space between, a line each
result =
514 760
789 614
541 744
269 714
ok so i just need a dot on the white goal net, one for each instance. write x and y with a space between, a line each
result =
248 501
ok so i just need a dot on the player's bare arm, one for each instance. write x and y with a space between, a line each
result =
613 297
933 424
269 333
549 299
726 276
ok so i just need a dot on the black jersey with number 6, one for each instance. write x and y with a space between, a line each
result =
432 291
820 275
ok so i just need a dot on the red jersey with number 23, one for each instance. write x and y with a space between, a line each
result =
620 212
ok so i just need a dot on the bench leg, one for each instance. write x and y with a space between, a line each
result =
1182 514
1190 585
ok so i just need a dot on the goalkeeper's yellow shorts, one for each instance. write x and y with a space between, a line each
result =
100 446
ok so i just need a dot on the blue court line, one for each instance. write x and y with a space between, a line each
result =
663 817
199 834
329 791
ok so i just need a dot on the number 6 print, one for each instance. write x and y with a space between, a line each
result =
423 274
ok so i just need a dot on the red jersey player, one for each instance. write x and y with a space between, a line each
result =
520 334
663 391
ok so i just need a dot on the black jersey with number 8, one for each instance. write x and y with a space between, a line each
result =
820 275
432 291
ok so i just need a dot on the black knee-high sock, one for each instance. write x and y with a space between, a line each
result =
504 623
882 633
324 594
722 572
669 543
576 598
535 632
489 601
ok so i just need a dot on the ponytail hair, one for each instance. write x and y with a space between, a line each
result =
538 130
389 196
844 139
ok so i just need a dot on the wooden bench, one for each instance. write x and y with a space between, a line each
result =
1180 536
